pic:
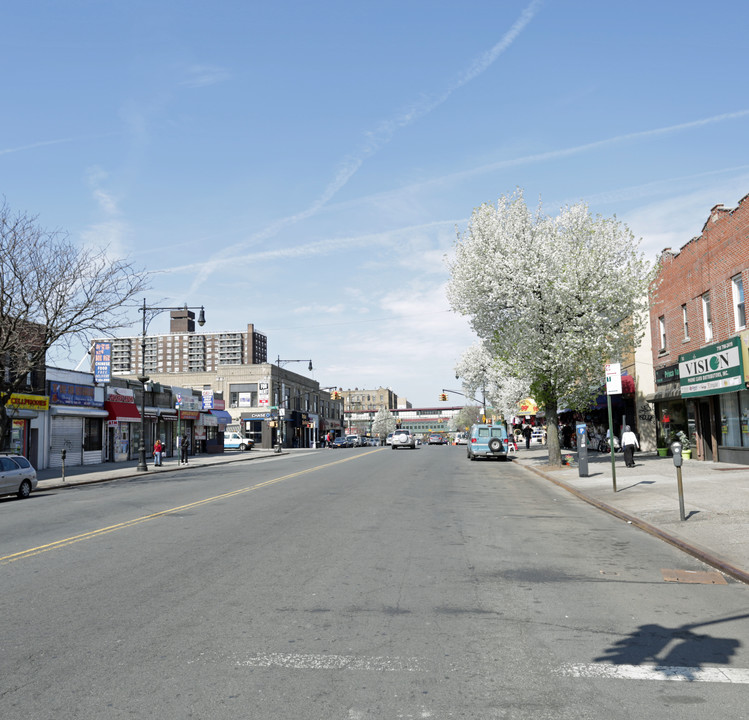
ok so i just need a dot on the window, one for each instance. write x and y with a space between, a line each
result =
707 317
662 331
685 321
739 312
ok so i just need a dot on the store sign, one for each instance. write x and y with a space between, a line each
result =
71 394
263 394
19 401
666 375
188 402
102 362
712 370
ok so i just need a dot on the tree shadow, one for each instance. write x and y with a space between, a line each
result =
676 651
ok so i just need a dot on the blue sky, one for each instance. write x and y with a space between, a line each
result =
304 166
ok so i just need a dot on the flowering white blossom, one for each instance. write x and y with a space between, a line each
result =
383 423
486 378
555 298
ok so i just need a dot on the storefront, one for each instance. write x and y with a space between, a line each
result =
123 425
713 383
24 412
76 424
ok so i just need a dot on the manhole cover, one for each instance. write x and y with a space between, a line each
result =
701 577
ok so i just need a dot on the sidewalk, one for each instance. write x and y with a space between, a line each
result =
716 501
51 479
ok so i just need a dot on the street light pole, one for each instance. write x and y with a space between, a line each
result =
143 378
281 399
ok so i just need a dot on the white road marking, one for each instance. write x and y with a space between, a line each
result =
656 672
295 661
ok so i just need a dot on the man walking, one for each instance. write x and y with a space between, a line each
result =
184 447
629 443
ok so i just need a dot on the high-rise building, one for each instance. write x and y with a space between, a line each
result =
183 350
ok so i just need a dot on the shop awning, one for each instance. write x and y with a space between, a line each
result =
78 411
122 411
222 416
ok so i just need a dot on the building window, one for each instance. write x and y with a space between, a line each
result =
685 321
662 331
707 317
739 312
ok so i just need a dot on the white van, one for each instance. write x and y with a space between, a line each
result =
234 441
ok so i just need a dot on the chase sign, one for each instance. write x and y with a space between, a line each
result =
713 369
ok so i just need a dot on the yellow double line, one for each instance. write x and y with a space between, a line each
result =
31 552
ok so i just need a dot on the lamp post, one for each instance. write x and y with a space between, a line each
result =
149 313
281 399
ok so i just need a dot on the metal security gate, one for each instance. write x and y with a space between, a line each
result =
66 434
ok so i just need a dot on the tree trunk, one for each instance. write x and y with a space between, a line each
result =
552 434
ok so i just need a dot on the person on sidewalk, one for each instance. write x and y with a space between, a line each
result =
527 434
629 443
184 446
157 450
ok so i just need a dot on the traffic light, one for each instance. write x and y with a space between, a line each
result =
443 397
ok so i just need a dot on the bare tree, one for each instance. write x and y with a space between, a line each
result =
53 292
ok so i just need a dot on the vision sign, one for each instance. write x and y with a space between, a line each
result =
712 370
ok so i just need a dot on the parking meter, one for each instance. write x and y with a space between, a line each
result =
676 452
581 430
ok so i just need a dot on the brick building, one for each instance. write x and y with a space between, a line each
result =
700 338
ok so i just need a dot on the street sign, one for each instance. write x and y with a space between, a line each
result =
614 379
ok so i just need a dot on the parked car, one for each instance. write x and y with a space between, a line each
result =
234 441
487 441
340 442
17 476
355 440
461 439
403 438
389 440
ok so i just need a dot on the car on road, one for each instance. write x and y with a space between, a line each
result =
340 442
461 438
487 441
436 440
234 441
355 440
17 476
403 438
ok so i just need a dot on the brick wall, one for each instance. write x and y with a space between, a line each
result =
706 263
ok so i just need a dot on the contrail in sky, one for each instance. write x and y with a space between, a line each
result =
376 139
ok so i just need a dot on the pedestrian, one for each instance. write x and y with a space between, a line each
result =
527 434
183 448
629 443
158 448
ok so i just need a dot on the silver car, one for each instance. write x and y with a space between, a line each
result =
17 476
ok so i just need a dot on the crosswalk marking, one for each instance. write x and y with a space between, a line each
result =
606 671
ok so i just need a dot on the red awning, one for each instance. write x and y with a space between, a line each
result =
122 411
628 385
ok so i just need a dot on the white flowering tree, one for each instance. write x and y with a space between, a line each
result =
485 376
383 423
555 298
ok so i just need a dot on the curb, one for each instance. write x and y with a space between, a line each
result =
702 554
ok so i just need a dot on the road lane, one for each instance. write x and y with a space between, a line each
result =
354 584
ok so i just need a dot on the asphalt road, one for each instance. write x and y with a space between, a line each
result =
351 584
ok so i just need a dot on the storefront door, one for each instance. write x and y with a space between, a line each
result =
706 430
